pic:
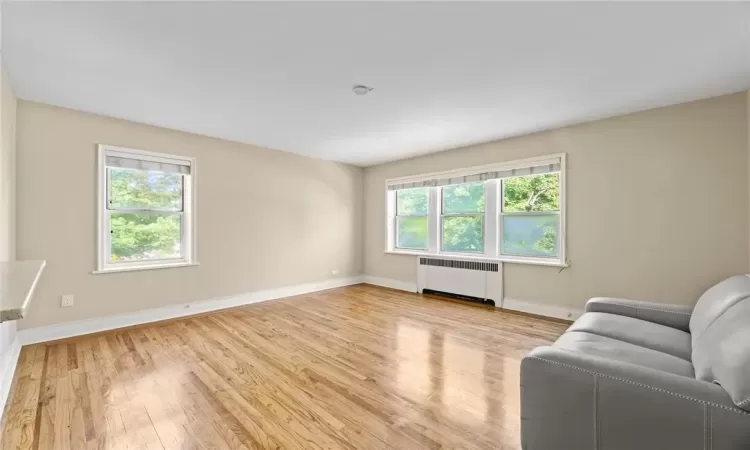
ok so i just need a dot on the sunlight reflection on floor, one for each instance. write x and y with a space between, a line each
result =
464 391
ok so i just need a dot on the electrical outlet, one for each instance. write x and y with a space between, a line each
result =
67 301
334 272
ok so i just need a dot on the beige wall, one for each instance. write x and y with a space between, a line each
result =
658 208
657 204
7 211
265 218
7 170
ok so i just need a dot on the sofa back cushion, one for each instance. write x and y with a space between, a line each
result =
715 301
722 354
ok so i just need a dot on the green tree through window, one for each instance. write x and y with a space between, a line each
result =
532 193
154 233
531 235
412 207
531 216
463 218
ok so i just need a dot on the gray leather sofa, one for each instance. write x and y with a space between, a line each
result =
634 375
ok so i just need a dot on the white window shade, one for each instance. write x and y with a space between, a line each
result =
175 166
547 166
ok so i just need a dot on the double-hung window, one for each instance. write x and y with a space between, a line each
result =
412 206
146 210
531 216
512 211
462 218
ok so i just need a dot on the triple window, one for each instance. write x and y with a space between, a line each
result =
511 211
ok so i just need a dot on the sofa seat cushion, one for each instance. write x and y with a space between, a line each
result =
613 349
638 332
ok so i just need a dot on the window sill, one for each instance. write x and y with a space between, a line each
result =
144 267
19 282
506 259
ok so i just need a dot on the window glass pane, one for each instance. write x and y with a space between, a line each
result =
139 237
463 198
412 202
411 232
141 189
532 193
463 234
530 235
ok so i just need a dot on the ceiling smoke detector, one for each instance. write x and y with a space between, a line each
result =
361 90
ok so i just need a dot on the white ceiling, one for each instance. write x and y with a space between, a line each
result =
445 75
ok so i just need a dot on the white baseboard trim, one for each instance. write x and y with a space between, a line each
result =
539 309
95 325
391 283
7 370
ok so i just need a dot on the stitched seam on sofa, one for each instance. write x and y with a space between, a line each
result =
711 431
674 394
705 427
596 412
742 403
652 309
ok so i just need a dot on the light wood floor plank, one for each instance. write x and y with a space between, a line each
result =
360 368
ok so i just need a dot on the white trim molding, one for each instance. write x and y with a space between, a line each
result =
400 285
7 370
466 171
541 309
95 325
151 267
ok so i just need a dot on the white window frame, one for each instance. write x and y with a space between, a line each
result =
396 216
493 215
443 215
188 229
500 222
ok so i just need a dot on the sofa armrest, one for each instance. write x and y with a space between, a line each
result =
574 400
675 316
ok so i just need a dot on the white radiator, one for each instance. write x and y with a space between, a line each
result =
480 280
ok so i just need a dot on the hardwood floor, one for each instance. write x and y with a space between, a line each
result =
359 368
